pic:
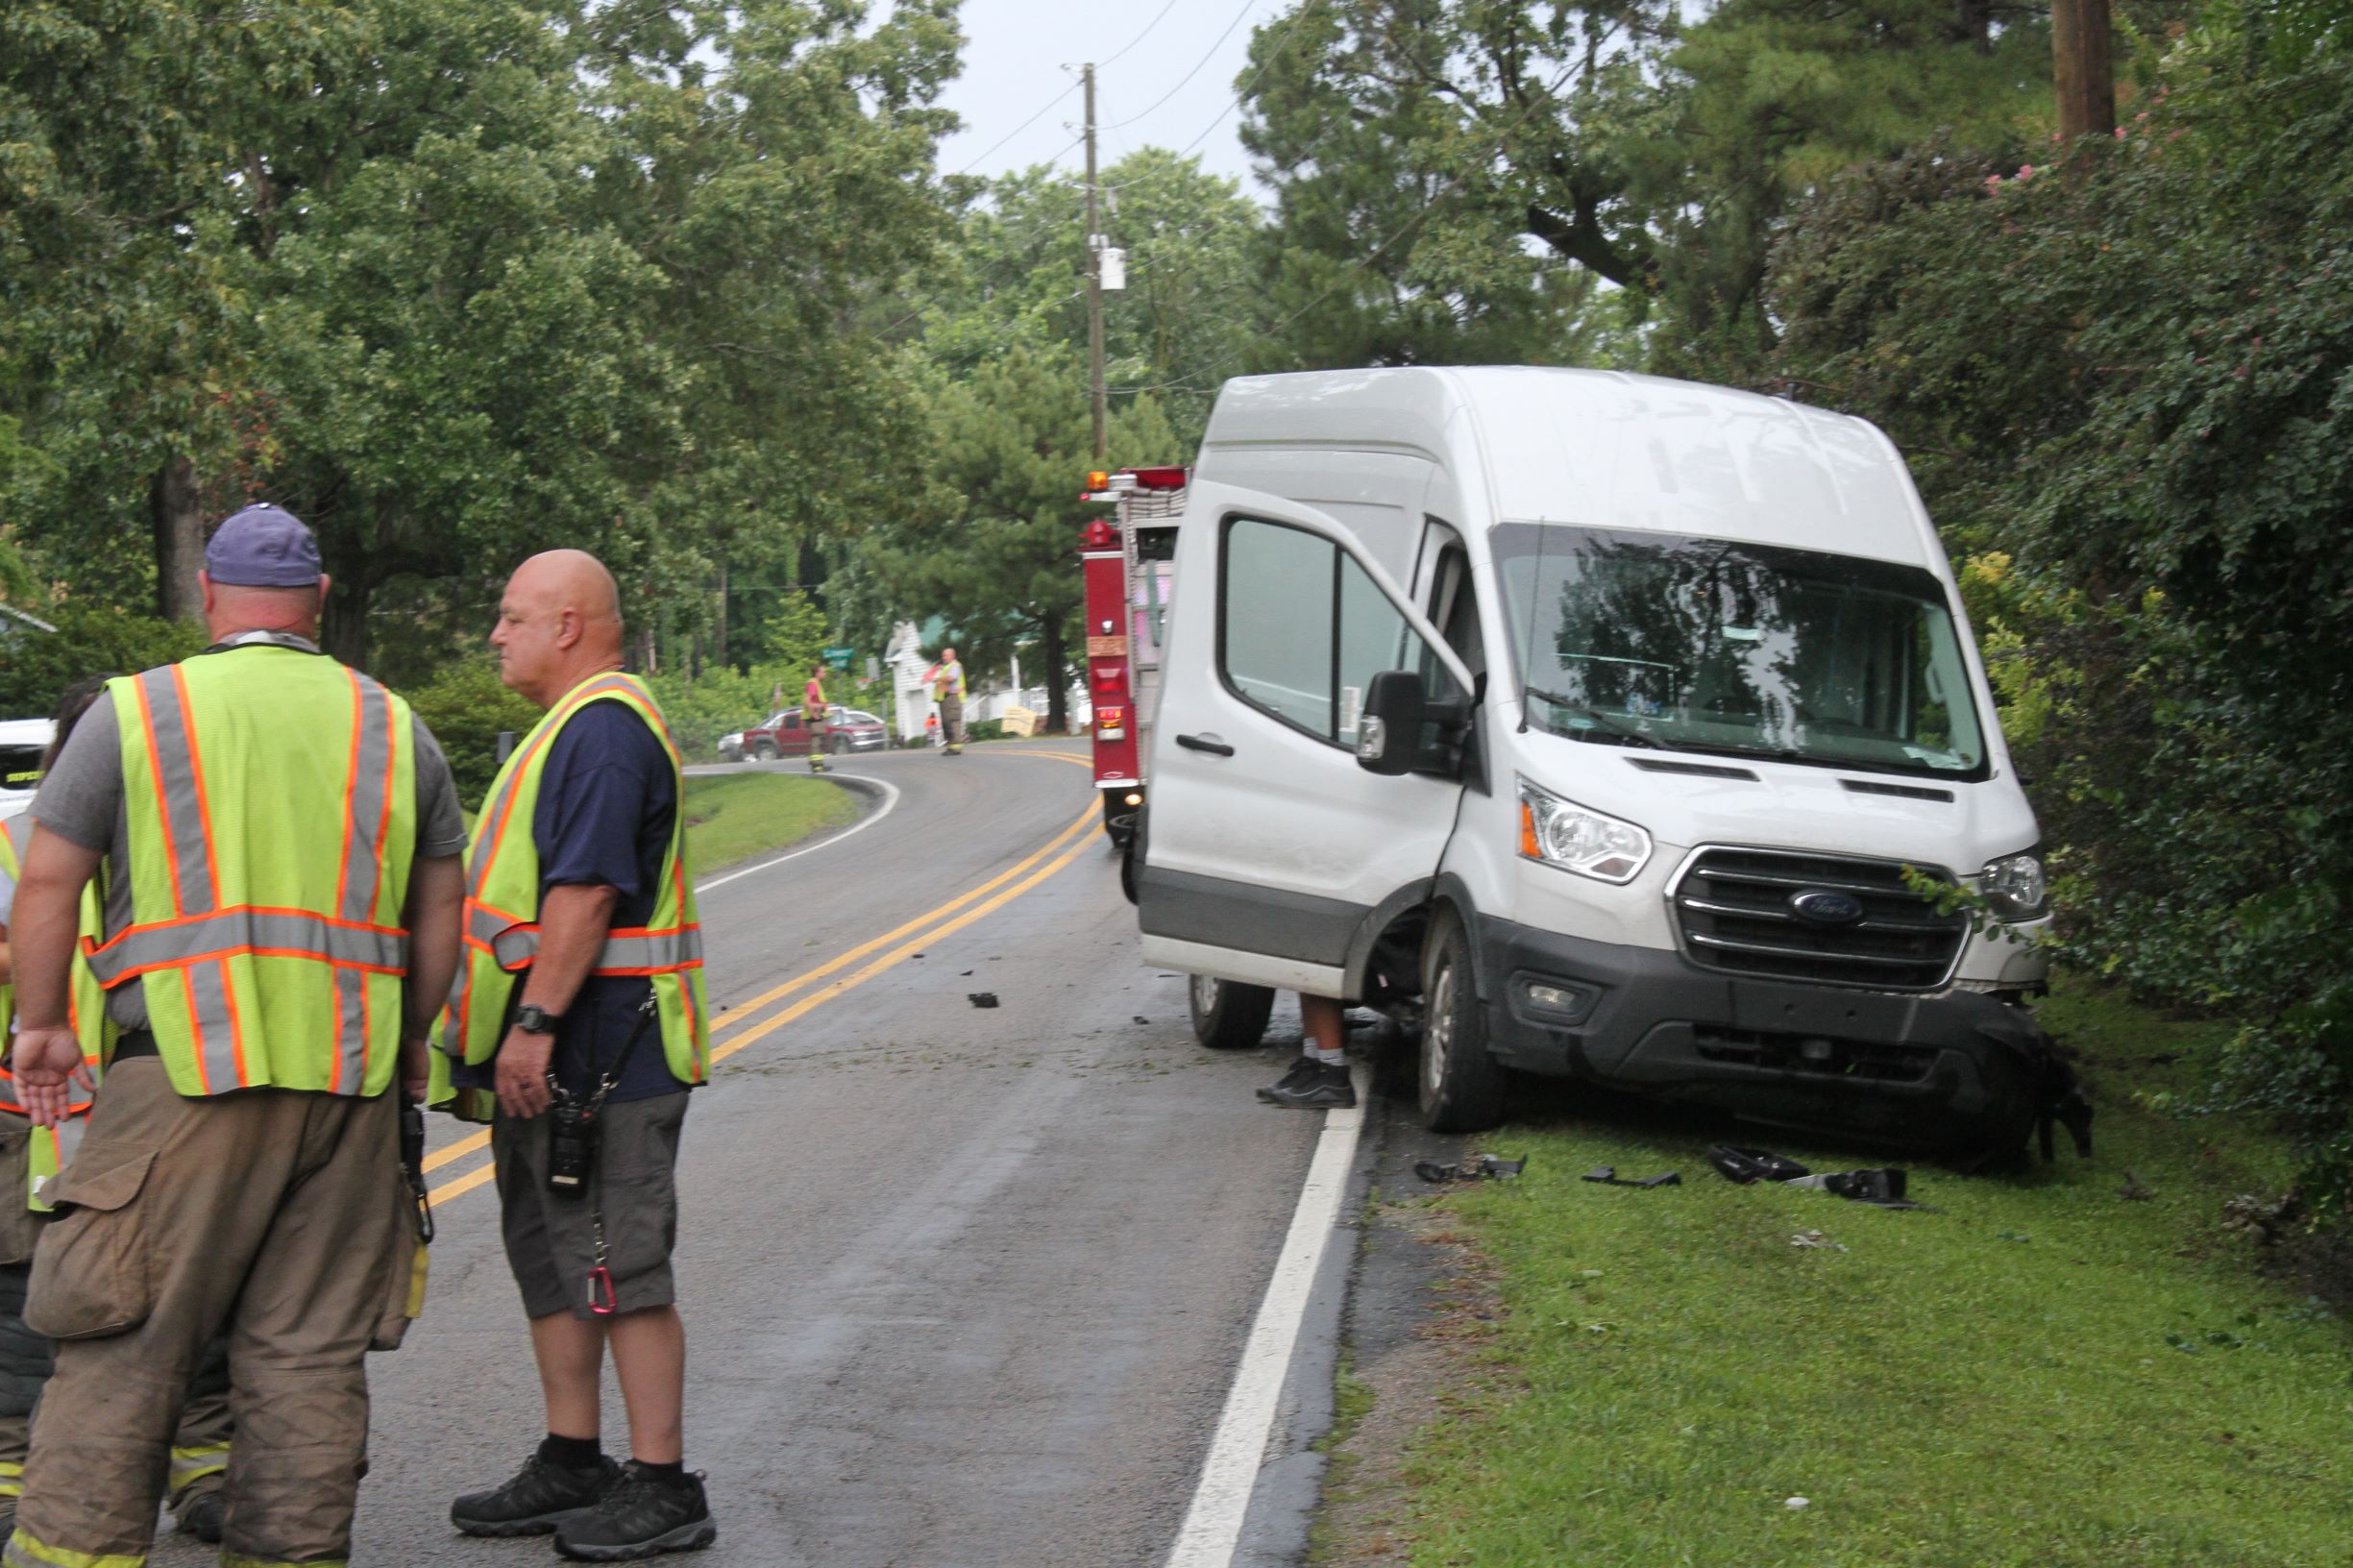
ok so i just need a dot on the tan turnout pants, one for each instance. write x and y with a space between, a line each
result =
272 1214
200 1450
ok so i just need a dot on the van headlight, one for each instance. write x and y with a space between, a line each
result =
2015 888
1577 838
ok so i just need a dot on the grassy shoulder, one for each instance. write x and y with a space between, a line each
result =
2044 1371
733 816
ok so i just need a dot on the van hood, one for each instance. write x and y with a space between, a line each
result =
1684 799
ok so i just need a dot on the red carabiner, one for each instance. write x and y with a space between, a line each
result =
601 1291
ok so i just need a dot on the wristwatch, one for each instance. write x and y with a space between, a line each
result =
534 1020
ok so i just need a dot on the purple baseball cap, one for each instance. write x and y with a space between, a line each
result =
263 547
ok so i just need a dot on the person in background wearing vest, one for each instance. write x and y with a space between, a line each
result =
581 1003
30 1157
946 679
282 894
819 715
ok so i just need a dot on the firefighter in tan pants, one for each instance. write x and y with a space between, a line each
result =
30 1156
287 925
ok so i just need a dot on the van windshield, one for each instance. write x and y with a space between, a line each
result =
1710 644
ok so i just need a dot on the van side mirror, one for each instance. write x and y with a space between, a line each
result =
1389 730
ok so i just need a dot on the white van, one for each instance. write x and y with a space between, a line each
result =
1604 726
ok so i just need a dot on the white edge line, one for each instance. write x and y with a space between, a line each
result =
890 804
1212 1525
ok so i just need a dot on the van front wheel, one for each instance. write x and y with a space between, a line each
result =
1227 1014
1461 1087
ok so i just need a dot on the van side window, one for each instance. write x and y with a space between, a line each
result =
1303 629
1274 635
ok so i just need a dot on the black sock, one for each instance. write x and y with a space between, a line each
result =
572 1453
676 1470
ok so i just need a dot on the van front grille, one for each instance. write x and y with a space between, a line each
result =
1876 1061
1739 913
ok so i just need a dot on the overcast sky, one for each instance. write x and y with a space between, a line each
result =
1014 66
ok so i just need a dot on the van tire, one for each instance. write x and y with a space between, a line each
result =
1227 1014
1460 1086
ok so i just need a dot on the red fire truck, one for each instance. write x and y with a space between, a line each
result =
1128 559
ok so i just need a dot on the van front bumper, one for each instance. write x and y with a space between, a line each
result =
1952 1069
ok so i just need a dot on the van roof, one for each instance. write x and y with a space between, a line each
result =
1606 448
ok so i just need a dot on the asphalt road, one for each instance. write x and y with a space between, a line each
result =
963 1287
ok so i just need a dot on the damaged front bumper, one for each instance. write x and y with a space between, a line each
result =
1951 1069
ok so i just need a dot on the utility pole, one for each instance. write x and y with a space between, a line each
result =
1094 283
2082 70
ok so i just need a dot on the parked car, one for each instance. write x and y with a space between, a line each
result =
783 734
22 740
1604 726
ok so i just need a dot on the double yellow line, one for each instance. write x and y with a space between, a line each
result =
741 1025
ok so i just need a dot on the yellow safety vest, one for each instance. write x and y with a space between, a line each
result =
501 937
272 802
85 1010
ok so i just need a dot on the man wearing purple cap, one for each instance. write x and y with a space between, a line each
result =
280 841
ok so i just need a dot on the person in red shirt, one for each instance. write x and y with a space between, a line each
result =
819 716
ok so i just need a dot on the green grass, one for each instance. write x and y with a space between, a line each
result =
2044 1372
732 816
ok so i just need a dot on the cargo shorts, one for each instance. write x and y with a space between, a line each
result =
551 1244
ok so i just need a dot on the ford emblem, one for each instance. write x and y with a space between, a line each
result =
1826 906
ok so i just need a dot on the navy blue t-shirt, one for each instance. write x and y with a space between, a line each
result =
606 805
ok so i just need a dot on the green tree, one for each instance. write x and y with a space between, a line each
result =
996 549
1179 328
1529 179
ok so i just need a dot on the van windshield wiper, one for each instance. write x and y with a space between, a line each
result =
1625 734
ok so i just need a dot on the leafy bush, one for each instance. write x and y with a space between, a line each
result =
91 639
466 706
2125 383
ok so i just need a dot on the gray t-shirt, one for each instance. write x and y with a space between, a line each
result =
81 801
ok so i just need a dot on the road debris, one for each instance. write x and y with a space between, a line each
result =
1797 1505
1815 1241
1746 1165
1608 1176
1471 1167
1881 1189
981 998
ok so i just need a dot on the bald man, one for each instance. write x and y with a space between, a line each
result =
579 840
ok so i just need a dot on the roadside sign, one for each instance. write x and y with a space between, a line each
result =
840 657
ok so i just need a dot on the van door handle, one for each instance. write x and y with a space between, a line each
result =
1202 743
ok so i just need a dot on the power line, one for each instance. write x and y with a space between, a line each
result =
1140 37
1243 95
1248 6
1023 126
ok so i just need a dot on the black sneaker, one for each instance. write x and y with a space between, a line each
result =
541 1496
1312 1087
1300 1074
202 1515
642 1516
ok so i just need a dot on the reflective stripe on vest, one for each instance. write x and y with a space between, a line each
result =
271 799
501 929
627 951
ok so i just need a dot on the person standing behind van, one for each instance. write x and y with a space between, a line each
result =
817 714
946 679
1318 1081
